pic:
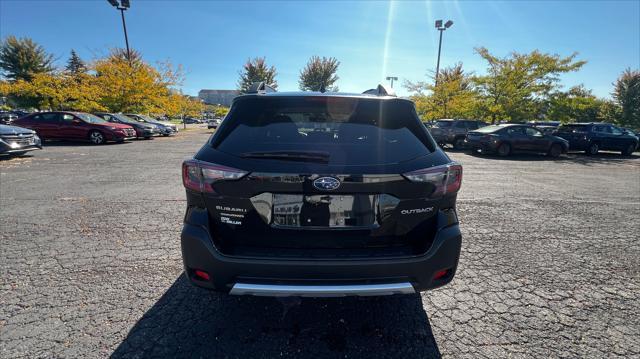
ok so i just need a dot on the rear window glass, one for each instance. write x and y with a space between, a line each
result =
573 128
489 129
350 131
443 124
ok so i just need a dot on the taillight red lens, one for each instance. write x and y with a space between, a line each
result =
191 175
446 178
199 175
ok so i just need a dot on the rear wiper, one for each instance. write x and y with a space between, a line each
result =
311 156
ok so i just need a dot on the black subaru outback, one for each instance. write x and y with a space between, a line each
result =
318 194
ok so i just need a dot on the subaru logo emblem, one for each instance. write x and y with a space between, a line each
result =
326 183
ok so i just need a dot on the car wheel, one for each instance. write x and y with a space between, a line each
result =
555 150
593 149
165 135
458 144
504 150
147 138
629 150
96 137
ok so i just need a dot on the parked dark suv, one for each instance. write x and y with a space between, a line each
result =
594 137
317 194
453 132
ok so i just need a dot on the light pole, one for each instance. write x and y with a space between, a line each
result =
122 6
441 29
392 78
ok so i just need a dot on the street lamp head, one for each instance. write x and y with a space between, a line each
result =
122 5
438 23
448 24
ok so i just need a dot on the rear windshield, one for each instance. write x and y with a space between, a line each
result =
573 128
443 124
350 131
488 129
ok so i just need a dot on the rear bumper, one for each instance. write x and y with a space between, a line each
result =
482 146
441 138
308 277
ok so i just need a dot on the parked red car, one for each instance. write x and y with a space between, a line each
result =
76 126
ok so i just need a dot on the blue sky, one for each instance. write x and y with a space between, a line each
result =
370 39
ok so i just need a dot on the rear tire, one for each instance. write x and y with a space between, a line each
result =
458 143
629 150
96 137
593 149
555 151
504 150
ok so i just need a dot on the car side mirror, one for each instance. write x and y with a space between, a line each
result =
76 121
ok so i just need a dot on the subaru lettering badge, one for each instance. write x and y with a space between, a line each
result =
326 183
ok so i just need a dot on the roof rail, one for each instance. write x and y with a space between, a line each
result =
260 88
381 90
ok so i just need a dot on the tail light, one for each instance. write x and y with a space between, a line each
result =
446 178
199 176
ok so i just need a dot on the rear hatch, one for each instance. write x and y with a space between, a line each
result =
441 128
572 132
322 177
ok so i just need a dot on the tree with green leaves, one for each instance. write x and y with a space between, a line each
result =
75 65
575 105
517 87
22 58
453 97
319 74
256 70
626 94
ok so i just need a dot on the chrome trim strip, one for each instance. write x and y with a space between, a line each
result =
276 290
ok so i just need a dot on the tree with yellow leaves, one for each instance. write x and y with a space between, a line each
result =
135 86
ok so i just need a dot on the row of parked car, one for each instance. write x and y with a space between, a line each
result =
28 132
550 138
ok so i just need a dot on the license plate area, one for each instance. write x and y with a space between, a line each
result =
325 211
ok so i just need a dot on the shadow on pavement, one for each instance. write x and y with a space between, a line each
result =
571 157
54 143
191 322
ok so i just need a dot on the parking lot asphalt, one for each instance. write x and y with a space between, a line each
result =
90 266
